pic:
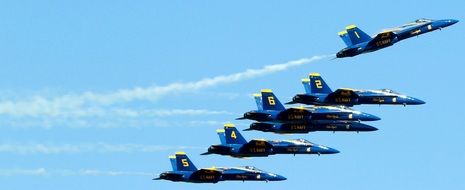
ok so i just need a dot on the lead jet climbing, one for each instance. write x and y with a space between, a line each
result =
234 144
185 171
319 93
359 42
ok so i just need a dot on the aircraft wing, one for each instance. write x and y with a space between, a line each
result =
207 174
257 146
343 93
383 39
303 97
296 110
171 176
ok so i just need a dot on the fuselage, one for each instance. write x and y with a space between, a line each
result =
357 97
292 128
262 148
214 175
309 115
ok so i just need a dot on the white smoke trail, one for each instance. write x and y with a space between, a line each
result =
91 103
41 148
65 172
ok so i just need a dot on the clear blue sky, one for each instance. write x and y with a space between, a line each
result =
97 94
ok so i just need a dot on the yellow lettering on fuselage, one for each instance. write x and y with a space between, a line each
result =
346 93
379 100
332 116
259 143
240 177
383 42
207 177
343 100
292 149
297 127
257 150
331 127
295 117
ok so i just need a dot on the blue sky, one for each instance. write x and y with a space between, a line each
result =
97 94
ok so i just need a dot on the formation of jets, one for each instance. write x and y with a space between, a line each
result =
321 109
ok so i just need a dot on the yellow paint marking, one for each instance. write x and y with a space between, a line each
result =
271 100
267 90
185 163
356 34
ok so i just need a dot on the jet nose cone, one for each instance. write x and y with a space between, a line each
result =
332 151
447 22
452 21
320 149
418 101
363 127
369 117
279 178
415 101
370 128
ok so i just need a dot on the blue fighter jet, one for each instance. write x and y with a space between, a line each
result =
359 42
319 93
294 128
185 171
234 144
271 110
299 128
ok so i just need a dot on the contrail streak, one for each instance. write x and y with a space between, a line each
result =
92 103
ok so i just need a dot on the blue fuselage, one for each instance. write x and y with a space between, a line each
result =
357 97
258 148
308 116
291 128
221 174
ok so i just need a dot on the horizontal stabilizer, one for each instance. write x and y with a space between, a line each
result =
291 102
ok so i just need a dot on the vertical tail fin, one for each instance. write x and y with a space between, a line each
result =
306 84
258 100
173 162
345 37
356 35
222 136
232 135
183 163
318 85
270 101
